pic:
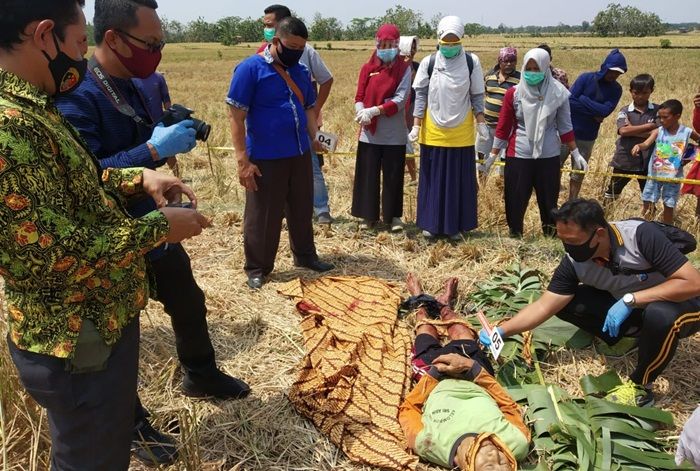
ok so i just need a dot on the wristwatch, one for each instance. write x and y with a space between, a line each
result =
628 299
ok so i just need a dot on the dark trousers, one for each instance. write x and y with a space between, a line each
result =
184 302
427 348
659 326
618 183
520 177
90 414
285 189
374 162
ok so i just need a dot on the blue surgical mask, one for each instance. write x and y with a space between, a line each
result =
387 55
533 78
269 33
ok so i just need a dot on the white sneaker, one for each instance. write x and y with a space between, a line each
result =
396 225
428 235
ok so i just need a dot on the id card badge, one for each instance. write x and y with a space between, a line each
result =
495 336
328 140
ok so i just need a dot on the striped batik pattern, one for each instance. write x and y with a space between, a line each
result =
356 370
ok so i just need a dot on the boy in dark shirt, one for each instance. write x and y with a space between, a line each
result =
634 124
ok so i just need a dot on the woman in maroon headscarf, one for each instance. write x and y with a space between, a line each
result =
383 90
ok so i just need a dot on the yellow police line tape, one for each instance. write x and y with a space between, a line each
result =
500 164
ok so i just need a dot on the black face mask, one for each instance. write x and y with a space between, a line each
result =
583 252
67 72
289 57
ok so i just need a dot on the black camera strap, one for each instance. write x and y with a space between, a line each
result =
111 91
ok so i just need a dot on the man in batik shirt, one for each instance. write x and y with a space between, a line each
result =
71 258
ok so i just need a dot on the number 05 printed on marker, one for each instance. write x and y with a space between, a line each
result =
495 336
496 343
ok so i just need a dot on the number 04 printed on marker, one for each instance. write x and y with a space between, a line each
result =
328 140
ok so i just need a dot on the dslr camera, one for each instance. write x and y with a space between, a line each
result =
177 113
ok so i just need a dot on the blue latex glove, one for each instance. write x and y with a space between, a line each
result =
616 316
485 339
176 139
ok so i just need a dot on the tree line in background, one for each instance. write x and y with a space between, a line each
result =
615 20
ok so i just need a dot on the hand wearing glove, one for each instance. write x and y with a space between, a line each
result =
176 139
359 107
485 338
485 168
374 111
617 314
413 135
577 161
689 442
483 130
409 145
364 116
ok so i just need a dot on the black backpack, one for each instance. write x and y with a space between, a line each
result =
682 240
467 54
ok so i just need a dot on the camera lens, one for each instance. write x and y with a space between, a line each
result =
202 129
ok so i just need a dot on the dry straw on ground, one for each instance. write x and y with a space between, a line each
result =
256 334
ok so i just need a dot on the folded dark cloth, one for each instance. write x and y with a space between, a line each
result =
431 305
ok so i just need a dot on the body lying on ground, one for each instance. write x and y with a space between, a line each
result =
457 414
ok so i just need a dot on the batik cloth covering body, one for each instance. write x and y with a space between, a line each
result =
356 368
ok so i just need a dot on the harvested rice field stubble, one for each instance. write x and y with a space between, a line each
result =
256 334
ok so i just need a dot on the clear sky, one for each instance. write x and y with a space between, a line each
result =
508 12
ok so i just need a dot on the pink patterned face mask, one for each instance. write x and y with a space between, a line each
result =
143 62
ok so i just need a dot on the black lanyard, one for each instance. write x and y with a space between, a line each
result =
111 91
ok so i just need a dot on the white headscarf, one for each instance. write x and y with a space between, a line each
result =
406 45
448 88
541 101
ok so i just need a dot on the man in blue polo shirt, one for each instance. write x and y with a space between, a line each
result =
129 42
271 109
322 81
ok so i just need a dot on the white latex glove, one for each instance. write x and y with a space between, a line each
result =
362 118
409 145
483 130
577 161
485 168
689 443
359 106
374 111
413 135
